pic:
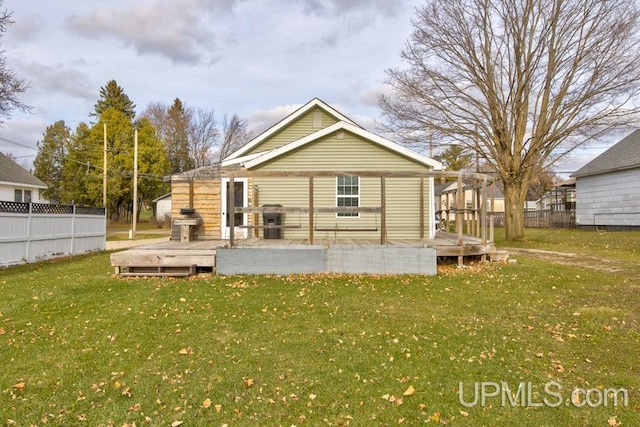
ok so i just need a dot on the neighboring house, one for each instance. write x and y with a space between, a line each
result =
163 208
17 184
314 138
561 198
608 188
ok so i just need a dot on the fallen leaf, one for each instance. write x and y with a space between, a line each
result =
575 398
557 366
218 408
206 403
19 385
176 423
248 382
613 422
409 391
185 351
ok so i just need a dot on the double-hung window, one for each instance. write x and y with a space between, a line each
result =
22 196
348 194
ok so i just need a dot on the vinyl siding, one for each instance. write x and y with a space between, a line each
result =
299 128
7 193
349 153
611 199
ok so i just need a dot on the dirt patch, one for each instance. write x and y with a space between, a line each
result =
575 259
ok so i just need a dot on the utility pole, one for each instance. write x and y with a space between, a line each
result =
135 185
104 168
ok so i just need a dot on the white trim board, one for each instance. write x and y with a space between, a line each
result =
315 102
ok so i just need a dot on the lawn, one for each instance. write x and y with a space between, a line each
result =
81 347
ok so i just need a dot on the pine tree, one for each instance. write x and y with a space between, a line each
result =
51 158
113 96
177 138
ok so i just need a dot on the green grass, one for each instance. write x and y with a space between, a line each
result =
619 245
80 347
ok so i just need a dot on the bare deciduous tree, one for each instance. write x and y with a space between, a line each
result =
203 135
11 86
234 135
520 82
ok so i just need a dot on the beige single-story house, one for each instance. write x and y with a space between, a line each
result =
316 156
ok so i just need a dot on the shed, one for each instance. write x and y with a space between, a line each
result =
163 208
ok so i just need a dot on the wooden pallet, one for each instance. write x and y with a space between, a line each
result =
156 271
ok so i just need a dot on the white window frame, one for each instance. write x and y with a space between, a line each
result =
345 196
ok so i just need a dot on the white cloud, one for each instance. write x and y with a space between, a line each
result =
58 79
260 120
179 31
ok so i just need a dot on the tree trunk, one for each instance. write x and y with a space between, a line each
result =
514 197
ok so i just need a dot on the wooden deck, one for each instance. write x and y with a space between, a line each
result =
175 258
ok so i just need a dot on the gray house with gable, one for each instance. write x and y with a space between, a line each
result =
608 188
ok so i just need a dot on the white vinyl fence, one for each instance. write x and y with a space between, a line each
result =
35 231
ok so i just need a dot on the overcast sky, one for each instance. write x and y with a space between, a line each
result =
257 58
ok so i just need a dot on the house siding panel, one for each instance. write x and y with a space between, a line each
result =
350 153
296 130
611 199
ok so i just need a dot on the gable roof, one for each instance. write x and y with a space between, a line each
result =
13 173
349 127
623 155
315 102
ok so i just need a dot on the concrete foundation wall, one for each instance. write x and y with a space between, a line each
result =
265 260
381 260
336 259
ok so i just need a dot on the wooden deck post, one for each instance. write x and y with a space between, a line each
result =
422 209
460 217
491 215
483 213
476 213
383 211
256 217
231 211
311 210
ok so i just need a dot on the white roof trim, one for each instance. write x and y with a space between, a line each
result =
390 145
315 102
18 185
242 159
